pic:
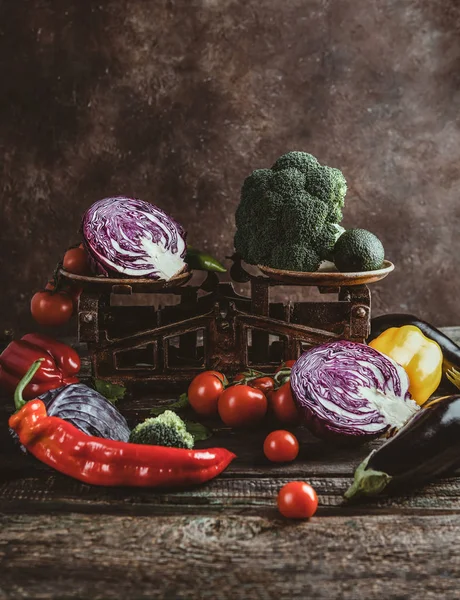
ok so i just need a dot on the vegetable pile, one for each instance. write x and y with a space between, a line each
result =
288 218
57 442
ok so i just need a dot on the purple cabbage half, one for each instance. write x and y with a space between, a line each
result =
349 391
133 238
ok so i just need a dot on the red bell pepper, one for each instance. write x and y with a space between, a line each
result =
59 366
99 461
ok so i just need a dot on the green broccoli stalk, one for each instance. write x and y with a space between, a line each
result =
168 429
288 215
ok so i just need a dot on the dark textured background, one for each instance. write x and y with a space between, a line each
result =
177 101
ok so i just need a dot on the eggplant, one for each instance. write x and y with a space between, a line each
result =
88 410
450 350
426 447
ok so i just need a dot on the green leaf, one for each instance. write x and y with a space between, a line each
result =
199 431
175 406
111 391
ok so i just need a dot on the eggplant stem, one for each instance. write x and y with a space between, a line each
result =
367 482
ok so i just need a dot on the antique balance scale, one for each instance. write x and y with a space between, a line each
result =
211 326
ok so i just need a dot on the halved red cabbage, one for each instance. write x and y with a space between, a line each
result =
351 391
133 238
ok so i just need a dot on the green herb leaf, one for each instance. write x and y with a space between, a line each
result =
111 391
175 406
199 431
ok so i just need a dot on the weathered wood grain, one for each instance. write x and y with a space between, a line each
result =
57 493
220 557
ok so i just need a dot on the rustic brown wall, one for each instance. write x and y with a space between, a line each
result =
177 101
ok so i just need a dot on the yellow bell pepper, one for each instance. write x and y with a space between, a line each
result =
420 357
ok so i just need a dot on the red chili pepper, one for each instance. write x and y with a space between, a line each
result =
98 461
59 366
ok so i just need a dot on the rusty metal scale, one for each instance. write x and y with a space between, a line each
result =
214 327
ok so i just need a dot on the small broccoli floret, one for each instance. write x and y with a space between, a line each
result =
167 429
287 215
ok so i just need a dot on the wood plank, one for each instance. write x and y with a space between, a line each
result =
56 493
220 557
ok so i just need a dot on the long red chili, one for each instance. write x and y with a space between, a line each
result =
98 461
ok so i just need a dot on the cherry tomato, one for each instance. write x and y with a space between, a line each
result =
76 261
74 292
204 391
241 405
283 405
51 309
297 500
281 446
288 364
264 384
239 377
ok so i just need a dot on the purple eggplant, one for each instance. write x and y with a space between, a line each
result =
88 410
426 447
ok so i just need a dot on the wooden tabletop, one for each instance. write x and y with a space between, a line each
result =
225 539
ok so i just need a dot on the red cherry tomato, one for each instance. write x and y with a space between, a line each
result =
281 446
76 261
297 500
242 405
264 384
286 365
74 292
239 377
51 309
204 391
283 405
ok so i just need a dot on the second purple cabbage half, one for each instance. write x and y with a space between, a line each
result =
350 392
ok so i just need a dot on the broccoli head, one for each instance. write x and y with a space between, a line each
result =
288 215
167 429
